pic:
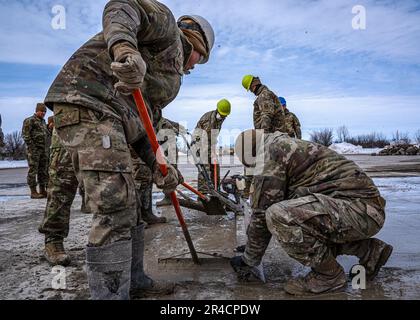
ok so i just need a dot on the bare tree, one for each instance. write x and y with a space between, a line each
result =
324 137
401 137
342 134
14 146
417 137
371 140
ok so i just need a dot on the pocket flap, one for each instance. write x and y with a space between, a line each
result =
108 160
65 116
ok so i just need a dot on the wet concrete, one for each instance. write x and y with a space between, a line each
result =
25 274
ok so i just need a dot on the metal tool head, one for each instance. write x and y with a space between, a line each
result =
214 207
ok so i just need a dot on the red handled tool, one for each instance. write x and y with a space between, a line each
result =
198 193
144 116
215 176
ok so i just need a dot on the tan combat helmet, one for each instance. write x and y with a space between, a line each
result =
205 29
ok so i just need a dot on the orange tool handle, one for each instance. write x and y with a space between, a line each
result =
198 193
144 116
215 175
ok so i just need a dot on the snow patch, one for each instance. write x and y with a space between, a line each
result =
348 148
11 164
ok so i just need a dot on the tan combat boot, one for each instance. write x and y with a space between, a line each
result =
43 192
55 254
35 194
377 255
373 254
328 277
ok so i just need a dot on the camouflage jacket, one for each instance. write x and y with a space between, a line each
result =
290 168
268 114
87 79
292 125
166 124
55 141
35 132
211 125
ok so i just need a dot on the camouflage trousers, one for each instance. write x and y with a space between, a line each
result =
143 181
312 228
62 188
38 167
202 185
101 159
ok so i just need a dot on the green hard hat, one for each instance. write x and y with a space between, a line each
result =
224 107
246 81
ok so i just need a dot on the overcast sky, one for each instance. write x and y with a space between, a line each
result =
306 51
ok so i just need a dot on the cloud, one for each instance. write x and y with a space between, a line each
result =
304 50
322 26
28 37
16 109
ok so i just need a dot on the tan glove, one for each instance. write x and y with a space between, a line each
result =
169 183
129 67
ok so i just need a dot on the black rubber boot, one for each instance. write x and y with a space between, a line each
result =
141 285
147 209
108 271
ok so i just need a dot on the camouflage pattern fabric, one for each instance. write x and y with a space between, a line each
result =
87 79
268 114
95 122
167 132
143 181
35 134
207 127
62 188
100 156
311 199
292 125
142 174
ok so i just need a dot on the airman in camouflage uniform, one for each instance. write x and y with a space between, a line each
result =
291 122
36 136
141 46
318 205
204 144
268 114
62 188
167 132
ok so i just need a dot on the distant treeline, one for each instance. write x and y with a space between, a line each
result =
14 147
327 137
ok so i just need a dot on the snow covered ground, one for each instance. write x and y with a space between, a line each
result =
9 164
348 148
341 148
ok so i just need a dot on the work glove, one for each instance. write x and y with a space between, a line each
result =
169 183
129 67
244 271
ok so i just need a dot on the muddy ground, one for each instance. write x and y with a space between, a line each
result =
25 274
